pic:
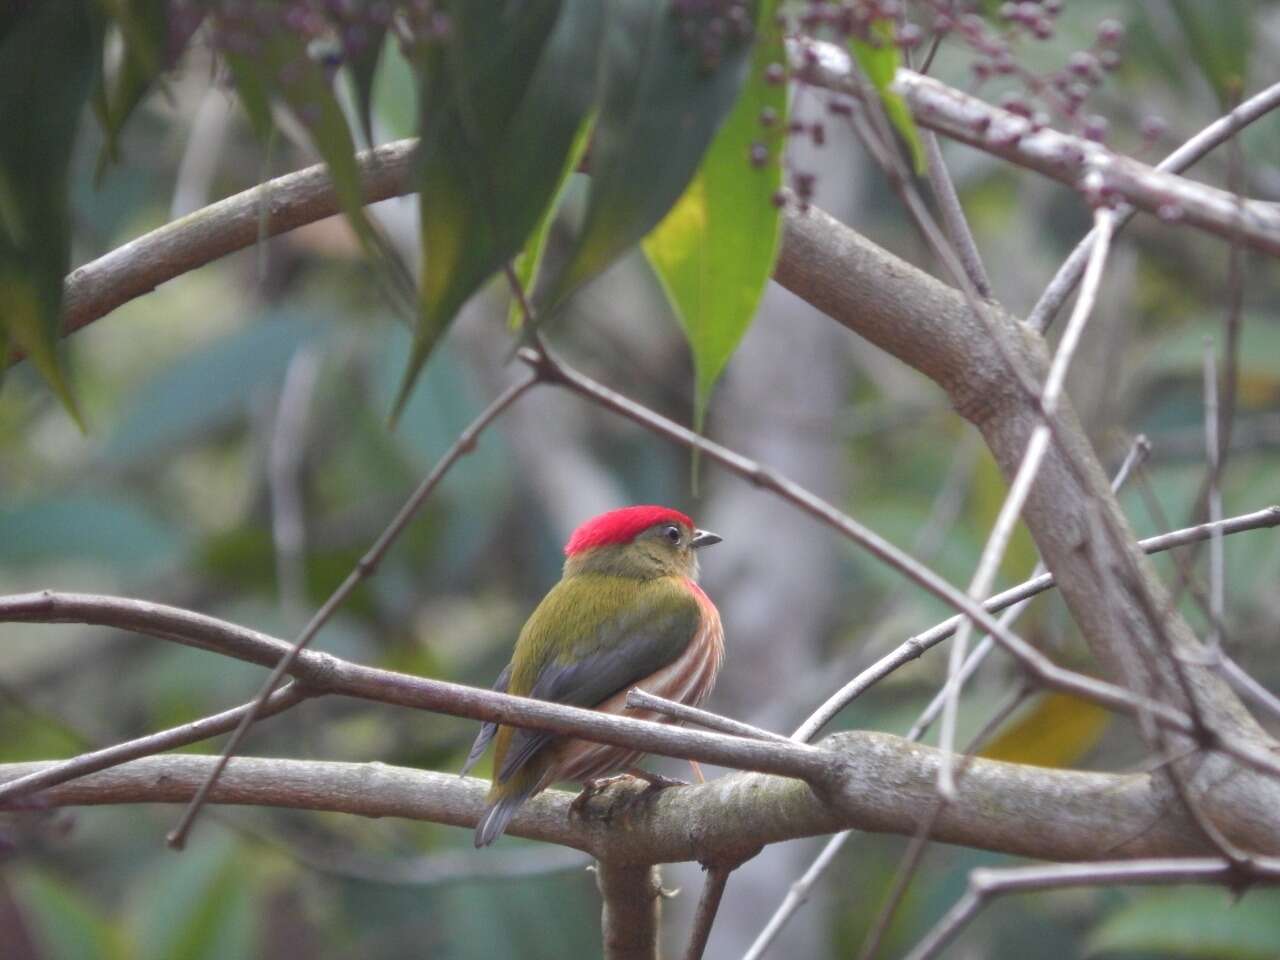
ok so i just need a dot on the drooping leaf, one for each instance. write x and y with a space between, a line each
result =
665 93
48 57
362 40
502 99
714 252
529 261
1056 732
269 61
151 42
1192 923
1220 36
879 59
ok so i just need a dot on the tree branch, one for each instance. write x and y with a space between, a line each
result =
631 911
881 783
1063 157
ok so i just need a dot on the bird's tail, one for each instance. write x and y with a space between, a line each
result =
493 823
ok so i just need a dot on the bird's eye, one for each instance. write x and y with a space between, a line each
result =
672 533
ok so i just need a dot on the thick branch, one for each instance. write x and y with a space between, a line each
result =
882 783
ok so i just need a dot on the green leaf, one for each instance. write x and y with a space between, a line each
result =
1220 36
660 106
48 59
279 65
879 59
502 101
145 31
362 43
1194 923
715 250
529 262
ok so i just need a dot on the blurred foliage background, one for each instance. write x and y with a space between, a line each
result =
237 460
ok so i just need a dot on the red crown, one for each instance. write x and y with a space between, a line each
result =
620 526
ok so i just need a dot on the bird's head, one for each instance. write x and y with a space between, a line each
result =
641 542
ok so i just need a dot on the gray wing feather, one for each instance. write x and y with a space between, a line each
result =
487 730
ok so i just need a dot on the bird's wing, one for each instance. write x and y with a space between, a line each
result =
616 642
488 728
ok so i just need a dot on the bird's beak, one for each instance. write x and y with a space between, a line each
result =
704 538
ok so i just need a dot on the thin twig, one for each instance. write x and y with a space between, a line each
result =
638 699
1216 133
1138 451
985 884
1217 601
953 218
912 648
1020 488
188 733
708 904
920 841
364 568
1060 156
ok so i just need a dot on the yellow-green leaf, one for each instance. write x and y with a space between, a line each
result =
1056 732
715 250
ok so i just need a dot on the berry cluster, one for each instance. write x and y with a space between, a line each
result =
712 27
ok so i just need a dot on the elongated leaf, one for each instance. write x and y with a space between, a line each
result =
362 42
661 104
274 62
715 250
48 57
529 262
502 101
879 60
146 33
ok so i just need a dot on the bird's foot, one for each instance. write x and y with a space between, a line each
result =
578 808
655 781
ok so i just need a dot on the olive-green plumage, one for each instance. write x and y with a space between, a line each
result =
620 613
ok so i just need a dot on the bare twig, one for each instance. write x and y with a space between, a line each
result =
1213 452
1060 156
1020 488
705 916
1216 133
911 649
985 884
638 699
1137 453
953 218
84 764
920 842
364 568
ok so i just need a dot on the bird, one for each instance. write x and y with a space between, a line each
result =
627 612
